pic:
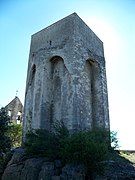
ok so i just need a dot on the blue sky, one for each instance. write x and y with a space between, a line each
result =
114 23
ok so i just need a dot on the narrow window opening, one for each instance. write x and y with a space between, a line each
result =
33 71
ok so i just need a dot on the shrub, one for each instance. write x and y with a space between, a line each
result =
4 139
41 143
15 134
5 143
88 148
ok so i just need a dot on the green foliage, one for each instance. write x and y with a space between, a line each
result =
15 134
4 160
114 140
89 148
60 130
4 139
40 142
5 143
85 147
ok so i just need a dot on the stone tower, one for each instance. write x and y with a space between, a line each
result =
66 78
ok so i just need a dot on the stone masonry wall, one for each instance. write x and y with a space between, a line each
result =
66 78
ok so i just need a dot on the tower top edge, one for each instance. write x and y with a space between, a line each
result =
69 18
73 16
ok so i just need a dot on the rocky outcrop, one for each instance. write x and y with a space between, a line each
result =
117 170
22 167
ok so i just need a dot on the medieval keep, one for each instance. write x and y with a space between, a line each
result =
66 78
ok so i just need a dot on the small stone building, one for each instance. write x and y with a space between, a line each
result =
15 110
66 78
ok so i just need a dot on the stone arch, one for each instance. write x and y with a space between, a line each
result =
96 99
57 73
59 89
88 93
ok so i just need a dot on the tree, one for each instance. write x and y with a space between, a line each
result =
114 140
5 143
15 134
4 139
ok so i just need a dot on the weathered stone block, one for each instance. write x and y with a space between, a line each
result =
73 172
47 171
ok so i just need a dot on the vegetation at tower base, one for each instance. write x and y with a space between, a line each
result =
59 155
50 143
88 148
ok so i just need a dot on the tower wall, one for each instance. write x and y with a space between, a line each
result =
66 78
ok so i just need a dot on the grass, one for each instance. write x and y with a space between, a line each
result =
128 155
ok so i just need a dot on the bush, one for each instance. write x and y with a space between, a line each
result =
15 134
88 148
5 143
41 143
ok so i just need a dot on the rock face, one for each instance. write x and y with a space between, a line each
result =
116 170
66 78
21 167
